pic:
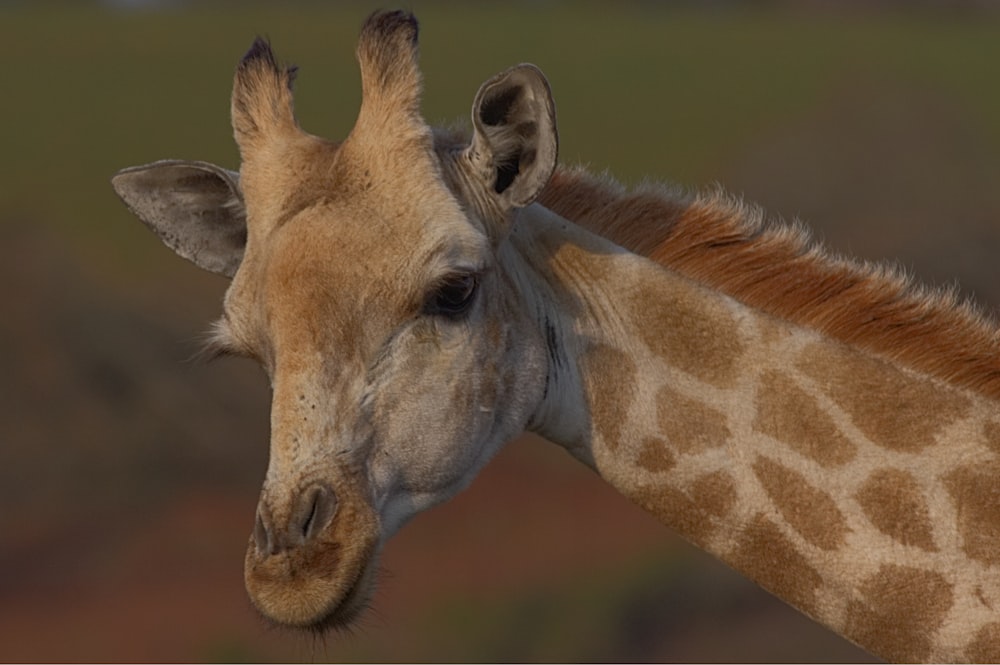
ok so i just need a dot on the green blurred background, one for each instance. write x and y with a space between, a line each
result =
129 473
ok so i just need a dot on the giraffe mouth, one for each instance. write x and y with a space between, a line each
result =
317 591
320 584
352 605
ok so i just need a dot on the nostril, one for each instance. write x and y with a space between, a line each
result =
310 520
262 535
302 520
317 510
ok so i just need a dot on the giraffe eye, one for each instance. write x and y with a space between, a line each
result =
453 296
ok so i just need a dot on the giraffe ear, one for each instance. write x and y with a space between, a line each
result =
515 143
196 209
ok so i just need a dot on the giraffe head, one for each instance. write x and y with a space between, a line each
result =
367 281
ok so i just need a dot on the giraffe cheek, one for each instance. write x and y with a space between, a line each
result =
420 434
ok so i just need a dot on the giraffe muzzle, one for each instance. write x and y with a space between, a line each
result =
310 560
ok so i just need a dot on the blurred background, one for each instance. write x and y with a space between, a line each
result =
129 473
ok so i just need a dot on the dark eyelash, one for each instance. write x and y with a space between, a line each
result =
453 296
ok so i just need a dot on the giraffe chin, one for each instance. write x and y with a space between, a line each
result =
322 586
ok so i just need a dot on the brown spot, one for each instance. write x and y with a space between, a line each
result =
899 611
609 377
787 413
655 456
676 510
580 258
976 493
892 409
690 426
715 493
985 646
772 332
894 503
694 332
769 558
811 512
991 434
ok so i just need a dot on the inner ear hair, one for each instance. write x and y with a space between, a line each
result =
512 130
514 120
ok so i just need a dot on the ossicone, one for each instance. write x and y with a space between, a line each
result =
262 97
390 76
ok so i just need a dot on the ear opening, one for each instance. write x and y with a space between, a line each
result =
196 209
515 144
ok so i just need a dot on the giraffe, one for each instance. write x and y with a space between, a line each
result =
417 297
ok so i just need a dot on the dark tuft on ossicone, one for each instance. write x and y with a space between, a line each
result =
388 24
260 54
259 50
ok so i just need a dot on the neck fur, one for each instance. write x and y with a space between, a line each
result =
838 468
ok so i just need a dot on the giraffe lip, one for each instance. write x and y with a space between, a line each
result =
338 612
352 604
322 585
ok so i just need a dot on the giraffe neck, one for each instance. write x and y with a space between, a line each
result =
860 492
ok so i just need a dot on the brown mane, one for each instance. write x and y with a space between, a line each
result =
778 268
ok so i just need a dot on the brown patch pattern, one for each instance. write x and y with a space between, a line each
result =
985 646
689 426
694 333
810 511
715 493
693 513
655 456
610 376
893 502
975 491
787 413
730 246
899 611
769 558
991 435
675 509
893 410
